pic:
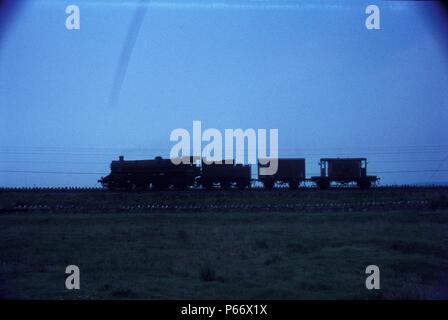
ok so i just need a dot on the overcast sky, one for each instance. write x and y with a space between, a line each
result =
330 86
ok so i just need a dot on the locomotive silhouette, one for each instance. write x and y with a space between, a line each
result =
163 174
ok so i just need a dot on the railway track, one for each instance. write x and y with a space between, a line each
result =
252 189
292 207
308 199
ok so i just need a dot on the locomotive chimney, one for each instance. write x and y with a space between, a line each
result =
121 158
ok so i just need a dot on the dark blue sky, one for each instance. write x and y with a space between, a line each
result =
310 69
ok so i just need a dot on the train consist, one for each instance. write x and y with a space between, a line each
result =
162 174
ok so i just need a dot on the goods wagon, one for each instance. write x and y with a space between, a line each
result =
343 171
290 172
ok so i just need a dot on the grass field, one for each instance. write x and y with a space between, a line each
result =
233 255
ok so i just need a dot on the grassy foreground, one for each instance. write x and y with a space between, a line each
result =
225 255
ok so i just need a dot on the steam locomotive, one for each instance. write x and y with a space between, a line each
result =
163 174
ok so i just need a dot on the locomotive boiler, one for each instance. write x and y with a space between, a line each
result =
158 173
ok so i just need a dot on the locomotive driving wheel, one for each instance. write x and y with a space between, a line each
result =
181 185
323 184
225 185
268 184
242 185
364 183
293 185
208 185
